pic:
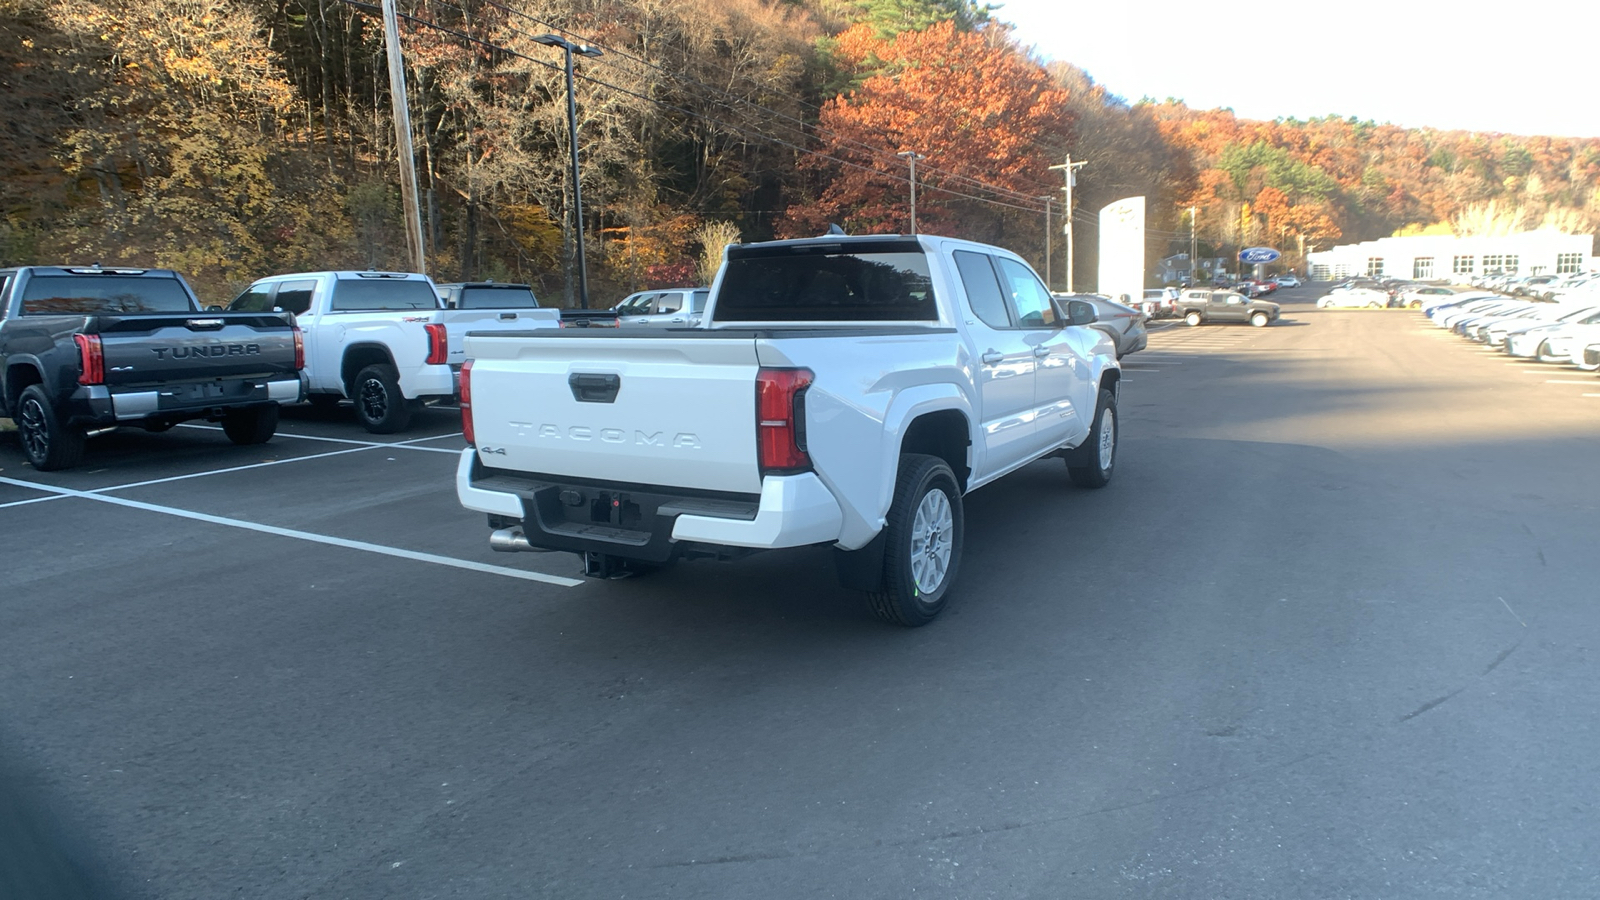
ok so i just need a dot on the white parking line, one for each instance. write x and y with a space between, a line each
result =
1592 395
406 445
26 502
1588 383
363 546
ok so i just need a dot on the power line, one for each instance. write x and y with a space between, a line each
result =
801 126
425 23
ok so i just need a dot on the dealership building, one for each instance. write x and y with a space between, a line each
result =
1445 257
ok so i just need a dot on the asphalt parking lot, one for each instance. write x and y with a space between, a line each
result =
1329 633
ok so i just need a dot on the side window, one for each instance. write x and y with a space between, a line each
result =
1028 296
5 301
670 303
295 296
983 288
256 298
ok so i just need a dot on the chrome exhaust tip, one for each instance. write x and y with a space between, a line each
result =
512 540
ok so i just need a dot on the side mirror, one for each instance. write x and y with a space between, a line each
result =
1080 312
214 308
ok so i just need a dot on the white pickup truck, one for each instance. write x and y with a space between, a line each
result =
381 339
845 391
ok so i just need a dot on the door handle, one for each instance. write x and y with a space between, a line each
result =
993 358
1041 351
677 320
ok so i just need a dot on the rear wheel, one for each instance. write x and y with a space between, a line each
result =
1094 462
1192 318
380 406
923 536
48 442
251 425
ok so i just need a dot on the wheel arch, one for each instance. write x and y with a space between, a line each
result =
358 357
19 375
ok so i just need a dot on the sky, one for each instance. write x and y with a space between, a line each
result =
1525 67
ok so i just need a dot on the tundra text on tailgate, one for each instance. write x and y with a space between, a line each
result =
843 390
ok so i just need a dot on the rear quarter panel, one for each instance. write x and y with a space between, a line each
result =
866 393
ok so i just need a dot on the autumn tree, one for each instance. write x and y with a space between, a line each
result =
983 114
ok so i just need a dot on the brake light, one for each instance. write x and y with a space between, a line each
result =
780 420
91 359
299 348
466 405
438 344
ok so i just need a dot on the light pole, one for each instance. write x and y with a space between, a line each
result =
556 40
912 156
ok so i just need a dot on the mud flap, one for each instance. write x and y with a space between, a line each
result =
861 570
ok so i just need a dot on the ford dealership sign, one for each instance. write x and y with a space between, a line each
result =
1258 255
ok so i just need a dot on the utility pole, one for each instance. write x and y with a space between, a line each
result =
1047 199
912 156
1194 251
402 134
556 40
1069 171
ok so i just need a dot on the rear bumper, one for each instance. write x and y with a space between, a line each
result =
429 381
102 405
650 522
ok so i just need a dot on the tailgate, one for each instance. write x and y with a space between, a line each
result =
654 409
457 322
152 349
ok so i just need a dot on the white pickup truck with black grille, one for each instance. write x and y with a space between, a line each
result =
844 391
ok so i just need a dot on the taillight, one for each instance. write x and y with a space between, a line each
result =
299 348
438 344
780 420
466 405
91 359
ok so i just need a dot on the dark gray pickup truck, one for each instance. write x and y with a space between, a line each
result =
84 350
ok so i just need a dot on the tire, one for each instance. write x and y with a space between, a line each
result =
1544 355
380 406
923 538
1374 305
251 425
1259 319
47 442
1192 318
1098 459
1416 304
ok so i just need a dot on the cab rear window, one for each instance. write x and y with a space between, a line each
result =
827 284
375 294
496 298
90 294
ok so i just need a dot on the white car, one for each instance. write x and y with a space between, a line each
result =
1348 298
1288 281
381 339
842 391
1556 343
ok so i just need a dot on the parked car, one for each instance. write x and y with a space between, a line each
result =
1555 342
381 339
1288 280
668 308
1160 303
1120 322
1201 307
91 349
1353 298
844 392
1416 297
488 295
